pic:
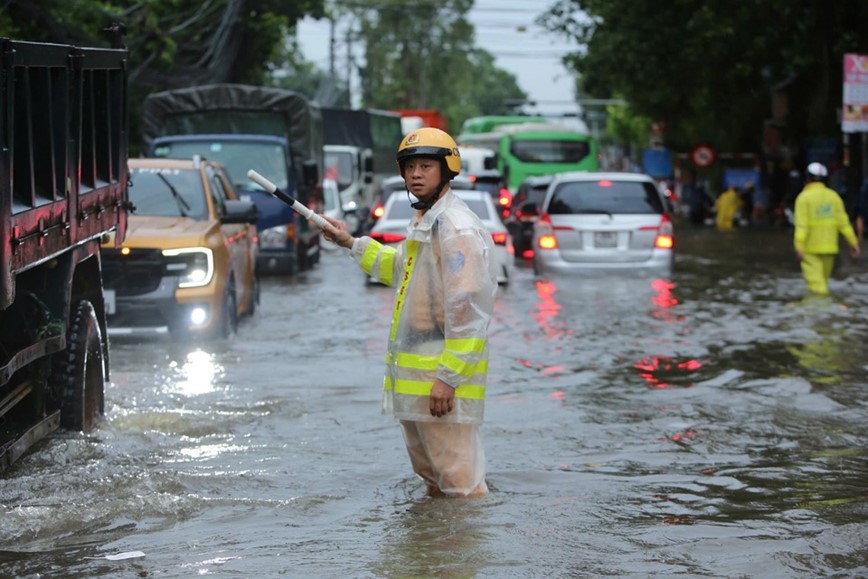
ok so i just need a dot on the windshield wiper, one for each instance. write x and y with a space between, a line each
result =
183 206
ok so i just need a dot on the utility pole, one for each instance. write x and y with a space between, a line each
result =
331 46
350 62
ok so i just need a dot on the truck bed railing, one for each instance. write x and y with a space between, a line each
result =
66 181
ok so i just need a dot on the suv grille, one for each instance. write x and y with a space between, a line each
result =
138 273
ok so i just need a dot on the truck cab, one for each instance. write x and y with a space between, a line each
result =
277 132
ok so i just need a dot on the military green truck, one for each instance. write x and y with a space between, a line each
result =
63 179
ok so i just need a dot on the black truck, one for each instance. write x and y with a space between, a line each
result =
63 187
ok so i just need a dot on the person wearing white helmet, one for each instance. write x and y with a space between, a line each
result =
820 218
437 354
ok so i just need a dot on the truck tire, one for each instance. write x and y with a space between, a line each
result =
79 371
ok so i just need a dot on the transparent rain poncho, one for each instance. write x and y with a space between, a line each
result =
446 284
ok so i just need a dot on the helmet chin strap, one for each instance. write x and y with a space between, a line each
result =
428 203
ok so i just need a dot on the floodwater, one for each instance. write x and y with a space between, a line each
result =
714 424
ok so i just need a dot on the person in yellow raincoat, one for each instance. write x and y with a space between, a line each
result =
819 218
437 355
727 207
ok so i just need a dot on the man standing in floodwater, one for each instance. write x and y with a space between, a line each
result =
819 218
446 279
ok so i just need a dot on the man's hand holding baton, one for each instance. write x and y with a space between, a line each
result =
333 229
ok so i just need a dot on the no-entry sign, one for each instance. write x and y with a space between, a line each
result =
703 155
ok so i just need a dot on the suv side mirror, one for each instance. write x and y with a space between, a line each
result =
237 211
310 173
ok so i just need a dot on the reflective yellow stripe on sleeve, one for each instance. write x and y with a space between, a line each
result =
423 388
448 359
387 266
370 255
466 345
416 361
386 255
463 367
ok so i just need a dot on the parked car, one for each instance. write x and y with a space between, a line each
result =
603 221
524 212
392 227
396 183
188 262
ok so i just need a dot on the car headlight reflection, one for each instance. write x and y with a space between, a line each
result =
194 266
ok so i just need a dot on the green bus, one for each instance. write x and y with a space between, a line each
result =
536 149
492 123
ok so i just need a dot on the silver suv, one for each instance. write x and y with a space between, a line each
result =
603 221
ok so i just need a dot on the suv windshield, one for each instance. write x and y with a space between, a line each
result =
164 192
605 196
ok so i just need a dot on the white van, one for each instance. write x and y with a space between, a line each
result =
476 159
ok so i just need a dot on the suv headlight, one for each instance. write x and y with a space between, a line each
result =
194 266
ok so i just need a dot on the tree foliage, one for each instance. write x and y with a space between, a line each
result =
172 43
422 54
708 69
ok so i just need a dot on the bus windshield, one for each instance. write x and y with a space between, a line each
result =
550 151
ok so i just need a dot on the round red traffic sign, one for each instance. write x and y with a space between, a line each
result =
703 155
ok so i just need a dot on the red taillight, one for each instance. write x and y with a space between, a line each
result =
664 238
385 237
547 240
504 197
663 242
527 254
378 211
499 238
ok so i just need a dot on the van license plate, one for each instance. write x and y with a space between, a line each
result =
108 297
605 239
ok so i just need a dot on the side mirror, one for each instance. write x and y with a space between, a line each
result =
237 211
310 173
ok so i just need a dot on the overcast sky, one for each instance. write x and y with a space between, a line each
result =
533 55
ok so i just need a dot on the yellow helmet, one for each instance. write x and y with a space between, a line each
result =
430 142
